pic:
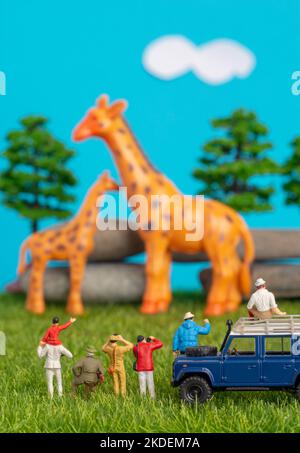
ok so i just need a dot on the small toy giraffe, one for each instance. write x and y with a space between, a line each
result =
71 242
223 227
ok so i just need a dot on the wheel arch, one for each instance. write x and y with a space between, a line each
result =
205 374
297 380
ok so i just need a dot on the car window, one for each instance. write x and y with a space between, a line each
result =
277 345
242 346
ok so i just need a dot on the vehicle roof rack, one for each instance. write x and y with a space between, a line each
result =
278 324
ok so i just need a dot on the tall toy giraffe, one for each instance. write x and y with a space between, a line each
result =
72 241
223 227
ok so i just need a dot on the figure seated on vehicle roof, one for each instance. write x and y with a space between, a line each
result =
262 303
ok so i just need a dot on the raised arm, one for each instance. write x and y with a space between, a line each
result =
127 344
206 329
65 326
156 344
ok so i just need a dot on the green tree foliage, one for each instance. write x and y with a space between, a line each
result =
234 160
291 170
35 180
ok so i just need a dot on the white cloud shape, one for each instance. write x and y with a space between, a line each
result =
215 62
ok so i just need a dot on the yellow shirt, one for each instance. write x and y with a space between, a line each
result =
116 354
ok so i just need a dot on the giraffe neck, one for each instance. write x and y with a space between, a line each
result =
132 163
89 210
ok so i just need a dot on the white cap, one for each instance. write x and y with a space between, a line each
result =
259 282
188 315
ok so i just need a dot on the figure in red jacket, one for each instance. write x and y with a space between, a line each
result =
51 336
144 362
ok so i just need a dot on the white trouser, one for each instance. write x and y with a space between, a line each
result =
146 381
50 373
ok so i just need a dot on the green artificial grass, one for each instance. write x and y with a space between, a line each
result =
25 406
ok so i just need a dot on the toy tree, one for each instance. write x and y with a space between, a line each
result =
291 168
233 161
35 180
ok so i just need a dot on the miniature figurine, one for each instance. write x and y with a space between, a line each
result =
223 227
52 364
51 336
260 355
262 303
144 363
186 336
88 371
116 366
72 241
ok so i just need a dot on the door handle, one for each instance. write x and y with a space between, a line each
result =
287 366
251 366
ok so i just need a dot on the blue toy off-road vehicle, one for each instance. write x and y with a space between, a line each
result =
255 355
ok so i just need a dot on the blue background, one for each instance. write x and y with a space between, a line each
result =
58 56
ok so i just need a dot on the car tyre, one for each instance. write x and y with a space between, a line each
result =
195 389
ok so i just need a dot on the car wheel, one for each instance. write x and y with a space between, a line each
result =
195 389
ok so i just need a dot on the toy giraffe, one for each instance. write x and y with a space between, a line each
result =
223 227
72 241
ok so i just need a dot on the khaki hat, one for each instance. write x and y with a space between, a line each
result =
91 350
113 338
188 315
259 282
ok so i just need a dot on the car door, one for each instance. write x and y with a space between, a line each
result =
278 364
241 365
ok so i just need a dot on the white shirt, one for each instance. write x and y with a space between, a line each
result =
262 299
53 354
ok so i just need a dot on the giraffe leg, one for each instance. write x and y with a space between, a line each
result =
35 295
157 295
234 296
224 294
77 267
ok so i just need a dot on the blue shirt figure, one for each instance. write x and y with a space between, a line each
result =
186 336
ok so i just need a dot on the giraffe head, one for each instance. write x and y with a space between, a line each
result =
106 183
99 120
